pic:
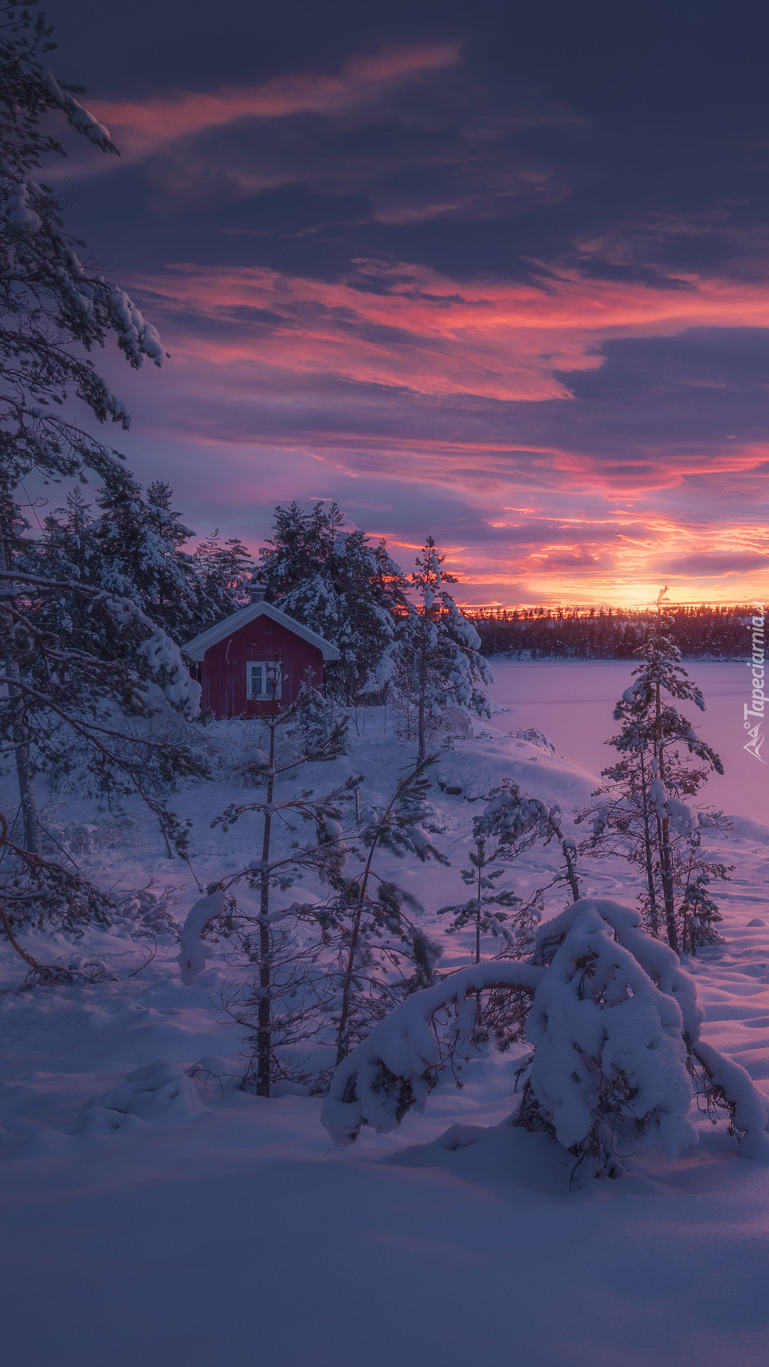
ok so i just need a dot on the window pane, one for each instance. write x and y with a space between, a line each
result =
256 681
264 679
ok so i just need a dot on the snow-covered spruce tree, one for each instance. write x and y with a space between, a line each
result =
517 821
314 721
509 824
224 569
282 1007
98 674
437 651
698 911
491 908
342 585
131 545
643 811
382 951
137 539
70 709
616 1061
514 822
63 552
301 543
53 311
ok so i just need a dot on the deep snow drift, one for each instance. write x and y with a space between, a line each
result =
155 1214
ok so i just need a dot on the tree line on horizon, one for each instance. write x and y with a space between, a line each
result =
719 631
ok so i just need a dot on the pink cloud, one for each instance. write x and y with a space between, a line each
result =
424 332
253 384
142 127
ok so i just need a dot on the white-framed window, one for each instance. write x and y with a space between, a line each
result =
264 680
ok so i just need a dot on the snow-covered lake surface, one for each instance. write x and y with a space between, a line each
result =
169 1220
573 703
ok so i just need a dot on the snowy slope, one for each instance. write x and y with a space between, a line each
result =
155 1215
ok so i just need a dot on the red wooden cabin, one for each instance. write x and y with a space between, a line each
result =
254 655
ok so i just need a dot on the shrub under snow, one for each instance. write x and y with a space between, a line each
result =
192 952
612 1020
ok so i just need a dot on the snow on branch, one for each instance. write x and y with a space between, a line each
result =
396 1066
201 915
613 1025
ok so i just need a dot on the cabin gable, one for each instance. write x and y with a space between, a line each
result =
230 677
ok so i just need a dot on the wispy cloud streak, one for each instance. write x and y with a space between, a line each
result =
145 126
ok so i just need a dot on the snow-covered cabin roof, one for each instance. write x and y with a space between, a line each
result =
197 647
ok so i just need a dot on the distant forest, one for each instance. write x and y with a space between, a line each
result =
719 632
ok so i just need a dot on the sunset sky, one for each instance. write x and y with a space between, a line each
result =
497 272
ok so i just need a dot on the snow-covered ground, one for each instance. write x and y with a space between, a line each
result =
167 1218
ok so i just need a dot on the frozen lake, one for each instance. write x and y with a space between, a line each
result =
572 702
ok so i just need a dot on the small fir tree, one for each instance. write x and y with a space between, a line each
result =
314 720
663 762
277 1011
518 821
137 540
371 917
490 910
438 660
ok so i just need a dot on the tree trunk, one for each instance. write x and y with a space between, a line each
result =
663 832
648 852
571 872
667 882
342 1043
480 851
571 869
264 1013
422 699
343 1029
30 838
